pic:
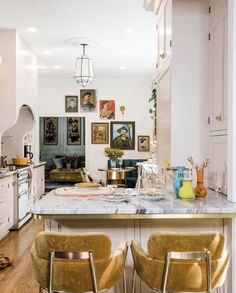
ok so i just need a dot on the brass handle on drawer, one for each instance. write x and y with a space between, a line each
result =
163 55
219 117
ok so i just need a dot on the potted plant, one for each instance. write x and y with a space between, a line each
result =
113 154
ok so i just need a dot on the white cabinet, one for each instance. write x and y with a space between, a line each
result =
164 29
38 182
6 205
218 71
218 164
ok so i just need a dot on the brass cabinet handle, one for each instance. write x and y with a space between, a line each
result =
163 55
219 117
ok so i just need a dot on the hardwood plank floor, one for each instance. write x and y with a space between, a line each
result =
19 278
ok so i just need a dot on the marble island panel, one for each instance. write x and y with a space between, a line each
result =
134 207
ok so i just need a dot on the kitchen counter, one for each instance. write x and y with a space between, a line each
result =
213 206
36 165
8 174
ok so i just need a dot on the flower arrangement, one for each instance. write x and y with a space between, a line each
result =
113 154
198 167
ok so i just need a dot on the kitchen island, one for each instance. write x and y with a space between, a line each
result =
137 218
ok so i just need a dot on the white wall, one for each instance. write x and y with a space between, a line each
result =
189 81
18 80
133 93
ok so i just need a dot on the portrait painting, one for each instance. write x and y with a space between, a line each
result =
71 104
50 130
143 143
88 101
123 135
73 131
100 133
107 109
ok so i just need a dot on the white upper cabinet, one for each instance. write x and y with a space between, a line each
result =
218 71
215 7
164 28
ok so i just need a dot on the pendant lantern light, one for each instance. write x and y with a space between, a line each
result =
84 73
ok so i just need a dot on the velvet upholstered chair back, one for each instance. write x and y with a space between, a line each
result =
161 242
98 243
74 275
185 275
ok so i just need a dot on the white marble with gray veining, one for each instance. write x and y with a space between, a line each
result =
58 205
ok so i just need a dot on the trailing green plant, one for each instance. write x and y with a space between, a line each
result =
112 153
153 101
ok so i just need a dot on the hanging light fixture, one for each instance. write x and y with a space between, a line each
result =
84 73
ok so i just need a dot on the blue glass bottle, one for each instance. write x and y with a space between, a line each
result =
178 182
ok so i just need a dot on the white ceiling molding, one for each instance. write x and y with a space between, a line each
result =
152 5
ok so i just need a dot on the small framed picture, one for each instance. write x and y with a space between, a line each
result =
107 109
50 130
123 135
71 104
73 131
88 101
143 143
100 133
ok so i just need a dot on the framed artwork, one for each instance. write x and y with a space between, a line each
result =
88 101
107 109
73 131
71 104
143 143
100 133
123 135
50 130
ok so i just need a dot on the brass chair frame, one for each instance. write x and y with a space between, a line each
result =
182 256
84 255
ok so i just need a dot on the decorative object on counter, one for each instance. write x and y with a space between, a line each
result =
123 135
20 161
84 71
143 143
200 189
122 109
186 191
51 131
153 113
178 180
3 161
113 154
73 131
88 101
71 104
100 133
107 109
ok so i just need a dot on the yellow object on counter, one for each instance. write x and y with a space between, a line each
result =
187 191
20 161
166 163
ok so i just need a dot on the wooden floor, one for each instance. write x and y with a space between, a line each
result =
19 278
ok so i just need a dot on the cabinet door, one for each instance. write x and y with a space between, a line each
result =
168 28
164 117
161 38
218 72
218 164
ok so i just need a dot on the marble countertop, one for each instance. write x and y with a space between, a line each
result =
214 205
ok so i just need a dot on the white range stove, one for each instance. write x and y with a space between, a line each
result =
24 198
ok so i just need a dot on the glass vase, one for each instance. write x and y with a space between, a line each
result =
113 163
200 189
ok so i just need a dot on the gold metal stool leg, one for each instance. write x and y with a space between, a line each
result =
124 282
218 290
40 289
133 281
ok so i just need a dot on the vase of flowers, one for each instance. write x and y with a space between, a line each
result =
113 154
200 190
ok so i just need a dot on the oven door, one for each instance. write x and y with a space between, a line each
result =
22 208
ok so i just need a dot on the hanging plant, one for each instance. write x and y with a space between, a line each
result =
153 101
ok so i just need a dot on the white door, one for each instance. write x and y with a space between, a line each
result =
161 39
168 28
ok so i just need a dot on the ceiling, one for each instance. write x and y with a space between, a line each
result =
121 33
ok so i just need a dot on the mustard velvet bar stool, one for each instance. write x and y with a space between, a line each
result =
66 262
180 262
